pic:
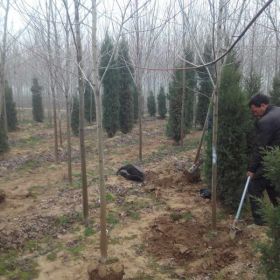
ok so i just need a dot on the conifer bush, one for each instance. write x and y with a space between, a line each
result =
175 102
151 104
110 82
90 112
162 109
4 146
75 115
270 250
233 126
126 88
275 92
37 103
253 84
10 108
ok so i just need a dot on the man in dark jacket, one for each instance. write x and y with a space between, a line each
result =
267 135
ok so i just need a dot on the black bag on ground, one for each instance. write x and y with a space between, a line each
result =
131 172
205 193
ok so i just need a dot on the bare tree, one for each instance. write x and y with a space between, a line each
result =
182 126
67 97
103 235
52 72
81 109
3 66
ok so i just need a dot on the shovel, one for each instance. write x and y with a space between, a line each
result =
234 229
193 173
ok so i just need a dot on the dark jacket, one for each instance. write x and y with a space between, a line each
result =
267 135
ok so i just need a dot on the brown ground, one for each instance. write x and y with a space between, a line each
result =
160 229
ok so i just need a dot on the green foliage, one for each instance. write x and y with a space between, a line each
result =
233 124
88 231
275 93
77 249
270 250
12 266
272 166
52 256
37 103
112 219
90 112
110 197
126 88
10 108
110 82
205 87
151 103
175 102
162 109
253 84
4 146
75 115
176 216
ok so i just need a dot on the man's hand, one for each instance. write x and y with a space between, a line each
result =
250 174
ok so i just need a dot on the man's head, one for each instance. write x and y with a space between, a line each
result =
258 105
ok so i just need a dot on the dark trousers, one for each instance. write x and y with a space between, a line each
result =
255 189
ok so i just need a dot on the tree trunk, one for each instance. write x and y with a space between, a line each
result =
2 69
60 128
67 99
138 84
81 112
215 117
182 125
103 234
52 80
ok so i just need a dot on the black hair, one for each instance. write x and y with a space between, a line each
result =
258 100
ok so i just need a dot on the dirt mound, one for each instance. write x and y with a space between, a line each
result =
183 239
165 179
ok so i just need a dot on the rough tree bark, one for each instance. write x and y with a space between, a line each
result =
81 111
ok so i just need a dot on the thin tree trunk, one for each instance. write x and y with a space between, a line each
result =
52 81
60 129
69 149
103 234
67 99
5 111
81 112
138 84
2 70
54 120
182 125
215 118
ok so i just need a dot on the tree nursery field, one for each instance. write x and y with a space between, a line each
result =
159 229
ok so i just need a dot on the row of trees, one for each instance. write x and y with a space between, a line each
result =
160 106
119 92
55 44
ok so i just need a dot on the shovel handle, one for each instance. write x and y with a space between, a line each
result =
242 198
